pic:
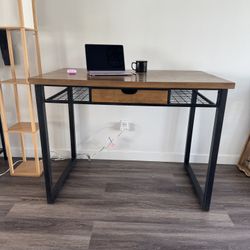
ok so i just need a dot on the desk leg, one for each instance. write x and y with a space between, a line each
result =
42 118
72 123
51 191
218 123
206 195
187 164
3 141
190 128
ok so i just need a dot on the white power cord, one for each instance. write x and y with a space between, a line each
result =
4 173
110 142
57 156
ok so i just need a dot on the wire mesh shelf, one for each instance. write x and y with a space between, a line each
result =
80 94
184 97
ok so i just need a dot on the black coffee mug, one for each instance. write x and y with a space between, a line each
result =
140 66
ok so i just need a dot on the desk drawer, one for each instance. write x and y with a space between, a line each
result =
129 95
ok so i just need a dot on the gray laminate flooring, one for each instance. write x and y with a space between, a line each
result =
115 205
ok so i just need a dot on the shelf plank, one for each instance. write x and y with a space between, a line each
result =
22 127
12 28
28 169
16 81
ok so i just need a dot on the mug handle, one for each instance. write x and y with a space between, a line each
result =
132 65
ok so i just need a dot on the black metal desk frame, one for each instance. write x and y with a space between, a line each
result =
191 98
3 149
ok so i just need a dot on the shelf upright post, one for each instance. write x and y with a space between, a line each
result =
15 87
27 75
37 43
5 132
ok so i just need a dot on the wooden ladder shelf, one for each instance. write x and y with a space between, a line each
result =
30 168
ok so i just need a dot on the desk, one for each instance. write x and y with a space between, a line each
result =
156 88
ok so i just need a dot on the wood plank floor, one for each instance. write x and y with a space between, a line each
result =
114 205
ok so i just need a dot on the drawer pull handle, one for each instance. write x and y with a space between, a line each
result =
129 91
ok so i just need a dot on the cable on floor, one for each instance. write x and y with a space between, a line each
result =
57 156
8 170
110 142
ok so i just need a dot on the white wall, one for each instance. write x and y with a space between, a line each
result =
9 13
206 35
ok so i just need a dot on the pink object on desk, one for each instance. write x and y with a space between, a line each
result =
72 71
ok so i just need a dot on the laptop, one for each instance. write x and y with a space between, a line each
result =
105 60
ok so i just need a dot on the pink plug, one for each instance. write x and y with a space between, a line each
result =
71 71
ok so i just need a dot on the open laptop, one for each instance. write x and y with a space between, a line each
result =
105 60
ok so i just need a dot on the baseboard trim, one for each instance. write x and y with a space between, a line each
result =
136 156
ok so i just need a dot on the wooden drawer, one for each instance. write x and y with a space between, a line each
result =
129 95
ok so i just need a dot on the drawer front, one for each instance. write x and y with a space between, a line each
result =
129 96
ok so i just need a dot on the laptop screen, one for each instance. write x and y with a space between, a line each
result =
104 57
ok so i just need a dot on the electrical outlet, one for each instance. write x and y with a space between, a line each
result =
124 125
